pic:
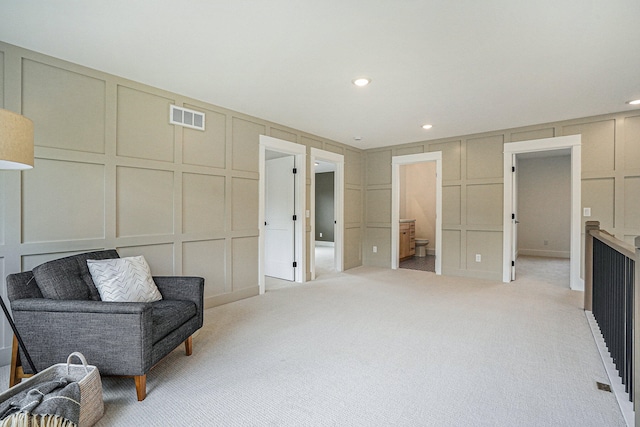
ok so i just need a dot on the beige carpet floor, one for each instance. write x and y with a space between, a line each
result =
376 347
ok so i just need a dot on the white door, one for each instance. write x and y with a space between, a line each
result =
514 218
279 236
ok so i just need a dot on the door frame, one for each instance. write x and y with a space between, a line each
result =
300 152
573 142
396 162
338 207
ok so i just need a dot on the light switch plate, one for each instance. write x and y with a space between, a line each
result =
586 212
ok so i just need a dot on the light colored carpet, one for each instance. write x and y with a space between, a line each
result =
376 347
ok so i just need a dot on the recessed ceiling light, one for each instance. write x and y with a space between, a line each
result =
357 138
634 102
427 126
361 81
316 164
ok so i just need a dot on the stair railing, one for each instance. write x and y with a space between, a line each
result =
612 294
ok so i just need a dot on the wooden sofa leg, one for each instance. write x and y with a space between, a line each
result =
16 373
13 376
188 346
141 386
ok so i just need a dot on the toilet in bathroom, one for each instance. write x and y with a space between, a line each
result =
421 247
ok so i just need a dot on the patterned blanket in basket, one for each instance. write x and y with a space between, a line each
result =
51 403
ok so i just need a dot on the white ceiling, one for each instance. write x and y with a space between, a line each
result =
465 66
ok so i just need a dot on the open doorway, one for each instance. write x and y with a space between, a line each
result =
324 235
399 224
285 163
418 216
543 212
326 243
559 145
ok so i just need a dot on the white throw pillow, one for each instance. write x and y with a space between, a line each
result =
124 280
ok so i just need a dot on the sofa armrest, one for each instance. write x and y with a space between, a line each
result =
79 306
183 288
116 337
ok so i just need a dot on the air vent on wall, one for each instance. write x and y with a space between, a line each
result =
185 117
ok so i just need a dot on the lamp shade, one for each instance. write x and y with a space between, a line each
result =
16 141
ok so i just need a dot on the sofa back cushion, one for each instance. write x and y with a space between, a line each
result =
69 278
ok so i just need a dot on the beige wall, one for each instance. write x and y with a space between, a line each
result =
111 172
418 199
544 206
473 188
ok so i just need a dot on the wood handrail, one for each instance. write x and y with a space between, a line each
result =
621 246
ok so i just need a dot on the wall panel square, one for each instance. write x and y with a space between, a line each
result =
485 157
352 206
63 201
208 147
310 142
484 204
451 249
489 245
203 203
206 259
379 167
144 202
67 108
245 262
381 238
283 134
532 134
352 167
598 144
143 129
352 247
632 143
416 149
450 159
598 194
632 202
244 204
159 257
378 207
334 148
246 140
451 205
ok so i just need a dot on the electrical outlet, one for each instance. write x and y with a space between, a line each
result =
375 249
320 234
546 242
478 258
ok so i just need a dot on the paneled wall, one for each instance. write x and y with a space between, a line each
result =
473 188
111 172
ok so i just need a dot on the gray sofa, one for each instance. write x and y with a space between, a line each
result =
57 310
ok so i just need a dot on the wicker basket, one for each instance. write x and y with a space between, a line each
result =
87 377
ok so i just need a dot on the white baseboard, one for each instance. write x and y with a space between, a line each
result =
322 243
544 253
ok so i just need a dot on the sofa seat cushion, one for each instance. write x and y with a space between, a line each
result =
69 278
168 315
